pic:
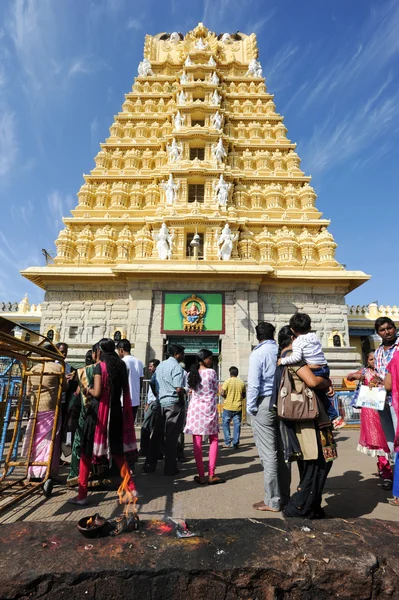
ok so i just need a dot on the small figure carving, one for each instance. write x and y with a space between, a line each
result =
188 62
174 150
214 79
226 240
212 62
254 68
226 38
181 97
164 241
217 120
178 120
174 38
183 78
218 151
144 68
171 188
221 189
215 98
200 44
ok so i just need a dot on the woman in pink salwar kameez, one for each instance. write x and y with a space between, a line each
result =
372 440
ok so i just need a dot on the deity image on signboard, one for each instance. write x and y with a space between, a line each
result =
193 310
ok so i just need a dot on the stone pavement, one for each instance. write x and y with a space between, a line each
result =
352 490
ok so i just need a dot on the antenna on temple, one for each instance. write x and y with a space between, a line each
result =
47 256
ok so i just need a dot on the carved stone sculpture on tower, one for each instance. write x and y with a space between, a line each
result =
178 120
181 97
200 44
225 242
171 188
254 68
175 151
215 98
214 79
212 62
174 38
144 68
218 151
217 120
164 241
221 189
226 38
183 78
188 62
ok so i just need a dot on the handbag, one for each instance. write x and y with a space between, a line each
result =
296 402
355 394
371 397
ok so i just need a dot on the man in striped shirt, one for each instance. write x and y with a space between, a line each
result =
386 329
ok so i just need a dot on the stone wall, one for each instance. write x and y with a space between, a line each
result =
85 313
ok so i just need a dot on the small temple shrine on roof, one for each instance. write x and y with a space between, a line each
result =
197 208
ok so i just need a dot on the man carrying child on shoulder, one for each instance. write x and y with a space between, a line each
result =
233 391
307 347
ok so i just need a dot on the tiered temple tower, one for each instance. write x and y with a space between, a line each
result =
197 194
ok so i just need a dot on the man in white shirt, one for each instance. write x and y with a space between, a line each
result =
135 373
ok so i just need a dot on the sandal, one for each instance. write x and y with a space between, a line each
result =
200 480
393 501
214 480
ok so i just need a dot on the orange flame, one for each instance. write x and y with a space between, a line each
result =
89 522
127 496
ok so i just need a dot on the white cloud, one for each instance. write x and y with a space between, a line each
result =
134 24
8 142
59 207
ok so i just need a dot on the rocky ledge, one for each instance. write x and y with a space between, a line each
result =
254 559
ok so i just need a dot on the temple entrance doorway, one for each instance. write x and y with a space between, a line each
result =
192 344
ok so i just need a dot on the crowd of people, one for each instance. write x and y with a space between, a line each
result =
288 396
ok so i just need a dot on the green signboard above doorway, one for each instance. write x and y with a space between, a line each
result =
193 312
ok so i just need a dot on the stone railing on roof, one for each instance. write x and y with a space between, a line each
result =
373 311
22 307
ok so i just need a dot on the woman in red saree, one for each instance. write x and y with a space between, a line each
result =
372 440
109 429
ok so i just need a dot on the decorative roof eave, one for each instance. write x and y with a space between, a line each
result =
177 219
352 279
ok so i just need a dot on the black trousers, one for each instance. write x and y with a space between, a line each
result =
147 428
169 421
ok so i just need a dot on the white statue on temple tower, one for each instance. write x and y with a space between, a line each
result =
225 242
254 68
226 38
183 78
218 151
212 62
174 38
200 44
171 188
174 150
215 98
144 68
217 120
181 97
164 241
221 189
188 62
178 120
214 79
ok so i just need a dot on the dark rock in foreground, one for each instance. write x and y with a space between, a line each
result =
233 559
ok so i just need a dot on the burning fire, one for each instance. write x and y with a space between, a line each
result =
89 522
127 496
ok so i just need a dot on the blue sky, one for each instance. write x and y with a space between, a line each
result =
65 66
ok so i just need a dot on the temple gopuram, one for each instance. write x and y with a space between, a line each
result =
197 221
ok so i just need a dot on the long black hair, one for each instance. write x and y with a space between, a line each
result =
194 378
116 368
284 338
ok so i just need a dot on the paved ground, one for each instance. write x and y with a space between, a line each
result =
352 490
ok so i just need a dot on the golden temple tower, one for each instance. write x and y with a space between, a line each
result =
197 220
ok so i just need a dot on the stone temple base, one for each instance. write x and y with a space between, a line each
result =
239 558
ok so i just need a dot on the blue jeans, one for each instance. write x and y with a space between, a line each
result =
324 372
228 415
